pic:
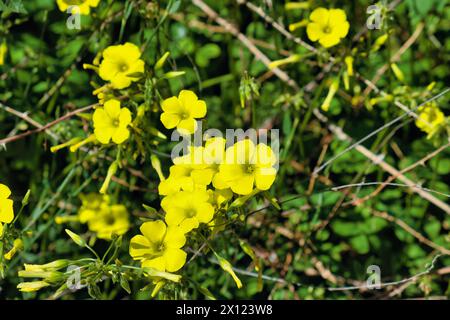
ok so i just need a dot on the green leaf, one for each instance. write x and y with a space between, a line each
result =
207 53
346 229
433 228
442 166
360 244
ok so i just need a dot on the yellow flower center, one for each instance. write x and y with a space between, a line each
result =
327 29
159 247
249 168
115 122
191 212
123 67
184 115
110 220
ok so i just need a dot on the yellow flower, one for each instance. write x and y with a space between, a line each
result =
187 209
3 50
6 207
84 5
120 65
110 220
430 119
197 169
247 165
159 247
110 122
188 173
327 26
182 111
91 205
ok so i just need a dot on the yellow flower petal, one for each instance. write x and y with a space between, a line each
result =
243 185
112 108
103 134
171 105
187 126
125 117
205 212
264 155
174 259
6 210
329 40
154 230
314 31
320 15
5 192
157 263
341 30
174 238
264 178
170 120
199 109
188 98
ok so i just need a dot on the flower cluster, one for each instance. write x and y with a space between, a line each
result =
83 5
431 119
199 186
102 217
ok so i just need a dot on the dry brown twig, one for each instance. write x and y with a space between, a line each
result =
421 162
41 128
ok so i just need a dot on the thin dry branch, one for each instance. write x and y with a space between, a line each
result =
402 224
393 177
47 126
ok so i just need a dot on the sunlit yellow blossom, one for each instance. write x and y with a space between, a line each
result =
181 178
327 26
83 5
188 173
247 165
110 220
187 209
6 207
121 64
3 50
197 169
181 112
430 120
111 122
159 247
